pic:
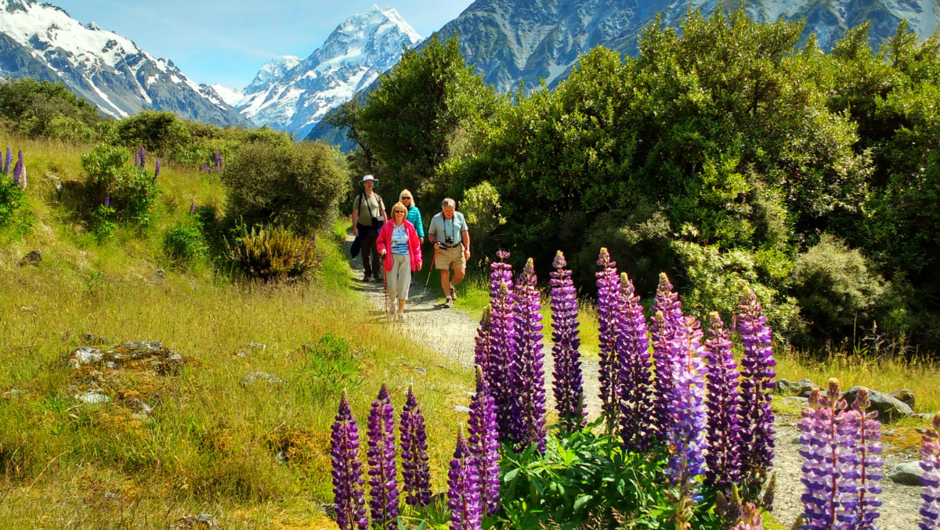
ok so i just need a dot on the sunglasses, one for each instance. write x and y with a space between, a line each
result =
406 198
399 211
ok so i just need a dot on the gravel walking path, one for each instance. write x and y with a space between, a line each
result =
426 316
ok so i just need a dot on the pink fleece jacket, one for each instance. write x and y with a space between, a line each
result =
384 242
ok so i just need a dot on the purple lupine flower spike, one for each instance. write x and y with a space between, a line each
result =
8 161
156 173
686 435
608 307
503 361
529 387
662 333
2 165
414 454
757 383
868 448
107 201
635 377
466 512
568 385
830 461
218 161
192 208
143 157
751 519
483 348
348 494
484 444
383 502
500 272
137 159
17 172
724 436
930 463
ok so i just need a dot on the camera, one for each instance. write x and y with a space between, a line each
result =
449 241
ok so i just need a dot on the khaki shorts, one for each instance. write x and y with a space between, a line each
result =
450 258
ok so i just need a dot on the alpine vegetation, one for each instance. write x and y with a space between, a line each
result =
608 307
383 502
930 462
568 381
633 370
484 444
348 494
529 376
466 512
416 472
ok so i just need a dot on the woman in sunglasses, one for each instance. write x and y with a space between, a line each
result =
414 215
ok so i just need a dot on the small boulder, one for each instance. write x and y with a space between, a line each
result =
904 396
261 377
908 473
140 355
785 387
93 398
33 259
84 356
160 273
200 521
91 338
888 408
806 387
461 408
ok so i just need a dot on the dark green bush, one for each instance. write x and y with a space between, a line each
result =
185 242
11 198
274 254
109 174
297 187
32 107
835 288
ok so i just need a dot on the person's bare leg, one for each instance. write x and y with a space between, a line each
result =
458 276
401 306
445 281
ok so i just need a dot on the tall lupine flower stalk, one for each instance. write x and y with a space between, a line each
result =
757 383
466 512
2 164
156 172
529 382
608 309
192 208
686 436
347 470
634 375
414 454
751 519
481 352
7 161
663 332
568 385
500 367
217 158
484 444
137 159
830 462
383 502
143 157
17 172
107 201
204 168
724 434
868 440
930 463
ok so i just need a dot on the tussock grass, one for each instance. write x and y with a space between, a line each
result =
253 456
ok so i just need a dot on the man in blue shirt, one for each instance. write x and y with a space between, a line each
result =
448 232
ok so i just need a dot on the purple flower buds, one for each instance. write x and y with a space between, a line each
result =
608 308
568 381
634 375
383 502
143 156
17 172
757 375
414 454
830 466
8 161
529 383
137 159
464 489
156 173
107 201
724 436
347 470
192 208
484 444
483 348
751 519
930 463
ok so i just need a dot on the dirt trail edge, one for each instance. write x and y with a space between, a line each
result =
451 333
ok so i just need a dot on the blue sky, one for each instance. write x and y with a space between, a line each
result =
227 41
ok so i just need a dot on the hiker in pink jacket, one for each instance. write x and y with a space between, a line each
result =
399 239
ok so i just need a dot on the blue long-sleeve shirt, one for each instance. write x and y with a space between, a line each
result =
414 217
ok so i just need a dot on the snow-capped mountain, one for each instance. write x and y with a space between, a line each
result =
293 95
524 40
42 41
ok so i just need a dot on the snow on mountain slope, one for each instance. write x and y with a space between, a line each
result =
228 95
101 66
293 95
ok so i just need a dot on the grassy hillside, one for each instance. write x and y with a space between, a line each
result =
253 456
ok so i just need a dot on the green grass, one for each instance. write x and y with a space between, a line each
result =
211 444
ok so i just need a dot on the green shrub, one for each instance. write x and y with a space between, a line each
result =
297 187
11 198
185 241
32 107
274 254
835 287
132 190
71 130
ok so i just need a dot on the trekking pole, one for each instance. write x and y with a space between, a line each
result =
431 268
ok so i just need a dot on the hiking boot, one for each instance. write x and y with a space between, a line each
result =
453 292
401 316
449 302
